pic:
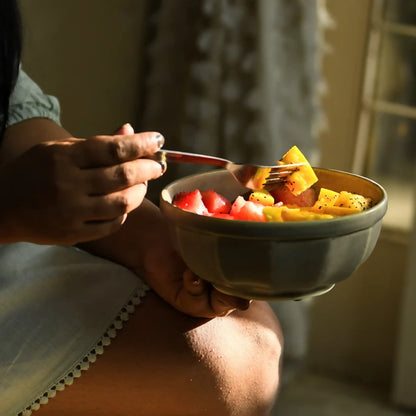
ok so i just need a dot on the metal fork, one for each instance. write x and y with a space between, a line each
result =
251 176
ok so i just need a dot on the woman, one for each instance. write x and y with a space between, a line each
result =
80 245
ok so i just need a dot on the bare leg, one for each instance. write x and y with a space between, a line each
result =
167 363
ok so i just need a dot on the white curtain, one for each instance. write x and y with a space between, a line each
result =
239 79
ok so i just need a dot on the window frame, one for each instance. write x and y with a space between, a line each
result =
371 106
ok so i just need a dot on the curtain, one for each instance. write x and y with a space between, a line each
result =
240 79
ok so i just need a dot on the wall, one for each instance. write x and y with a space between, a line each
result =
354 327
343 71
90 57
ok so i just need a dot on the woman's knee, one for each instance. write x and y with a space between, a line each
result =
223 366
242 353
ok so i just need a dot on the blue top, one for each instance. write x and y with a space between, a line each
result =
28 101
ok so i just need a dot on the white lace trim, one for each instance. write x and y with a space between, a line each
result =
91 357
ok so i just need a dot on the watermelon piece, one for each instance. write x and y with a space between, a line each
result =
247 210
190 201
215 202
223 216
283 194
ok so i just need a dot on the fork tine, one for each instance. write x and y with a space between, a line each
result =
290 167
284 170
274 181
280 173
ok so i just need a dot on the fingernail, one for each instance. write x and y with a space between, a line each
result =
160 140
123 126
117 130
196 281
163 165
226 313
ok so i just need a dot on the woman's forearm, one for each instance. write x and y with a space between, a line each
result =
22 136
143 230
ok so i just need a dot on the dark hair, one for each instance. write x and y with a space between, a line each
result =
10 55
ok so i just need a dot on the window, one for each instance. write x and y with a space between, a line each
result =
386 146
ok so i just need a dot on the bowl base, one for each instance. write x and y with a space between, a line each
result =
278 296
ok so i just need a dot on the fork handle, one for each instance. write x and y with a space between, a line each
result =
184 157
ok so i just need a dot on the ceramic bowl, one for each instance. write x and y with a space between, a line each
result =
265 260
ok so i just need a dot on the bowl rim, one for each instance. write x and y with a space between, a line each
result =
272 230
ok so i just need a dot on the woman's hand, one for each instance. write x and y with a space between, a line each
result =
73 190
143 245
171 279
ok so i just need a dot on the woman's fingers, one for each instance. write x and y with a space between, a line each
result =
100 181
97 229
107 207
99 216
112 163
101 151
125 129
201 299
79 189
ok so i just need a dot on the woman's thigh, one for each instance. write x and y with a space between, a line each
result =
166 363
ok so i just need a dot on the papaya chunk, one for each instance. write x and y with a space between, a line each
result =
351 200
262 196
337 211
274 214
303 177
327 197
284 213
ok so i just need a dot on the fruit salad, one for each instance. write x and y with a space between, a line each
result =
295 199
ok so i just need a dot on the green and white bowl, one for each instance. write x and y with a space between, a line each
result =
259 260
